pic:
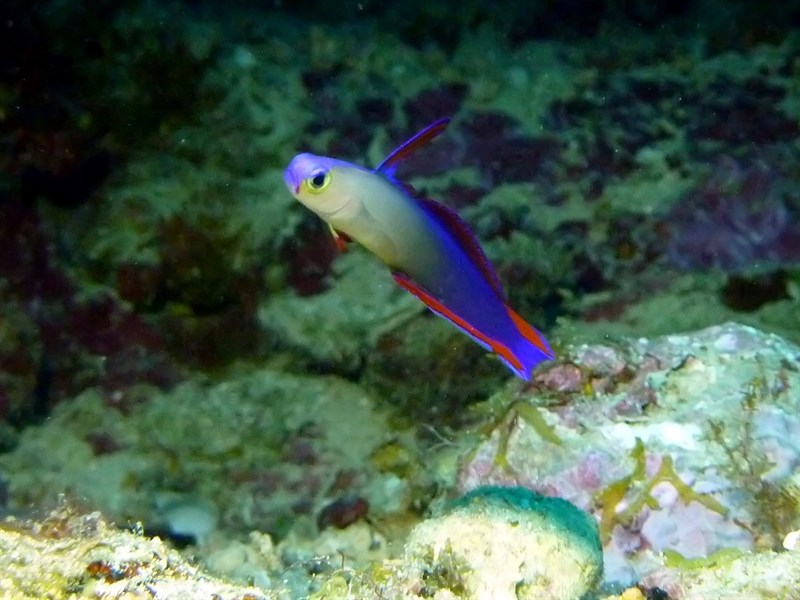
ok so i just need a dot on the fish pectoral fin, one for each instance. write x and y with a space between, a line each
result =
340 239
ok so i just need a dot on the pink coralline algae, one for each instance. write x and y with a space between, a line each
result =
342 512
562 378
742 217
692 529
77 342
502 152
435 103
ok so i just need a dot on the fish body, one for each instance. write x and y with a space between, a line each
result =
430 250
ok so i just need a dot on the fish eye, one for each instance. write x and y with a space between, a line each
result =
318 180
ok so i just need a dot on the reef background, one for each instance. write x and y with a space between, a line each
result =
170 318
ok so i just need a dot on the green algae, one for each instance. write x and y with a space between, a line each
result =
444 571
510 410
651 189
340 327
690 301
775 505
335 587
721 557
642 486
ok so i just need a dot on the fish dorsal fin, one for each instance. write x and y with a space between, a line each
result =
460 231
407 148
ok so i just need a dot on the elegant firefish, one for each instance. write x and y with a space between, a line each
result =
430 250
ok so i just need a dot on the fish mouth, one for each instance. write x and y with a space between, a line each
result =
291 182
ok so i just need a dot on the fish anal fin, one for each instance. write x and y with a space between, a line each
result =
529 333
452 223
493 345
411 145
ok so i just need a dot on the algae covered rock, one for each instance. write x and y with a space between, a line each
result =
70 554
259 450
337 329
684 447
509 543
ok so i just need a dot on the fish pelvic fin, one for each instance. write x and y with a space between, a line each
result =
407 148
340 238
503 352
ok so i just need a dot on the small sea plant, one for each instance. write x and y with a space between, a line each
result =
513 408
775 505
637 487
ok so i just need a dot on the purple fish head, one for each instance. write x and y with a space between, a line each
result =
291 180
298 171
309 173
320 183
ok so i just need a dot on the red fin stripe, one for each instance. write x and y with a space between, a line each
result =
340 239
441 310
530 333
341 245
460 231
411 145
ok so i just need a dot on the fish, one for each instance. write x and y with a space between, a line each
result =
429 249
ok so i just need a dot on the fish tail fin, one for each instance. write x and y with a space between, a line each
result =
531 349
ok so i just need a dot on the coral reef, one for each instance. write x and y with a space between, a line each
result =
613 430
182 347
